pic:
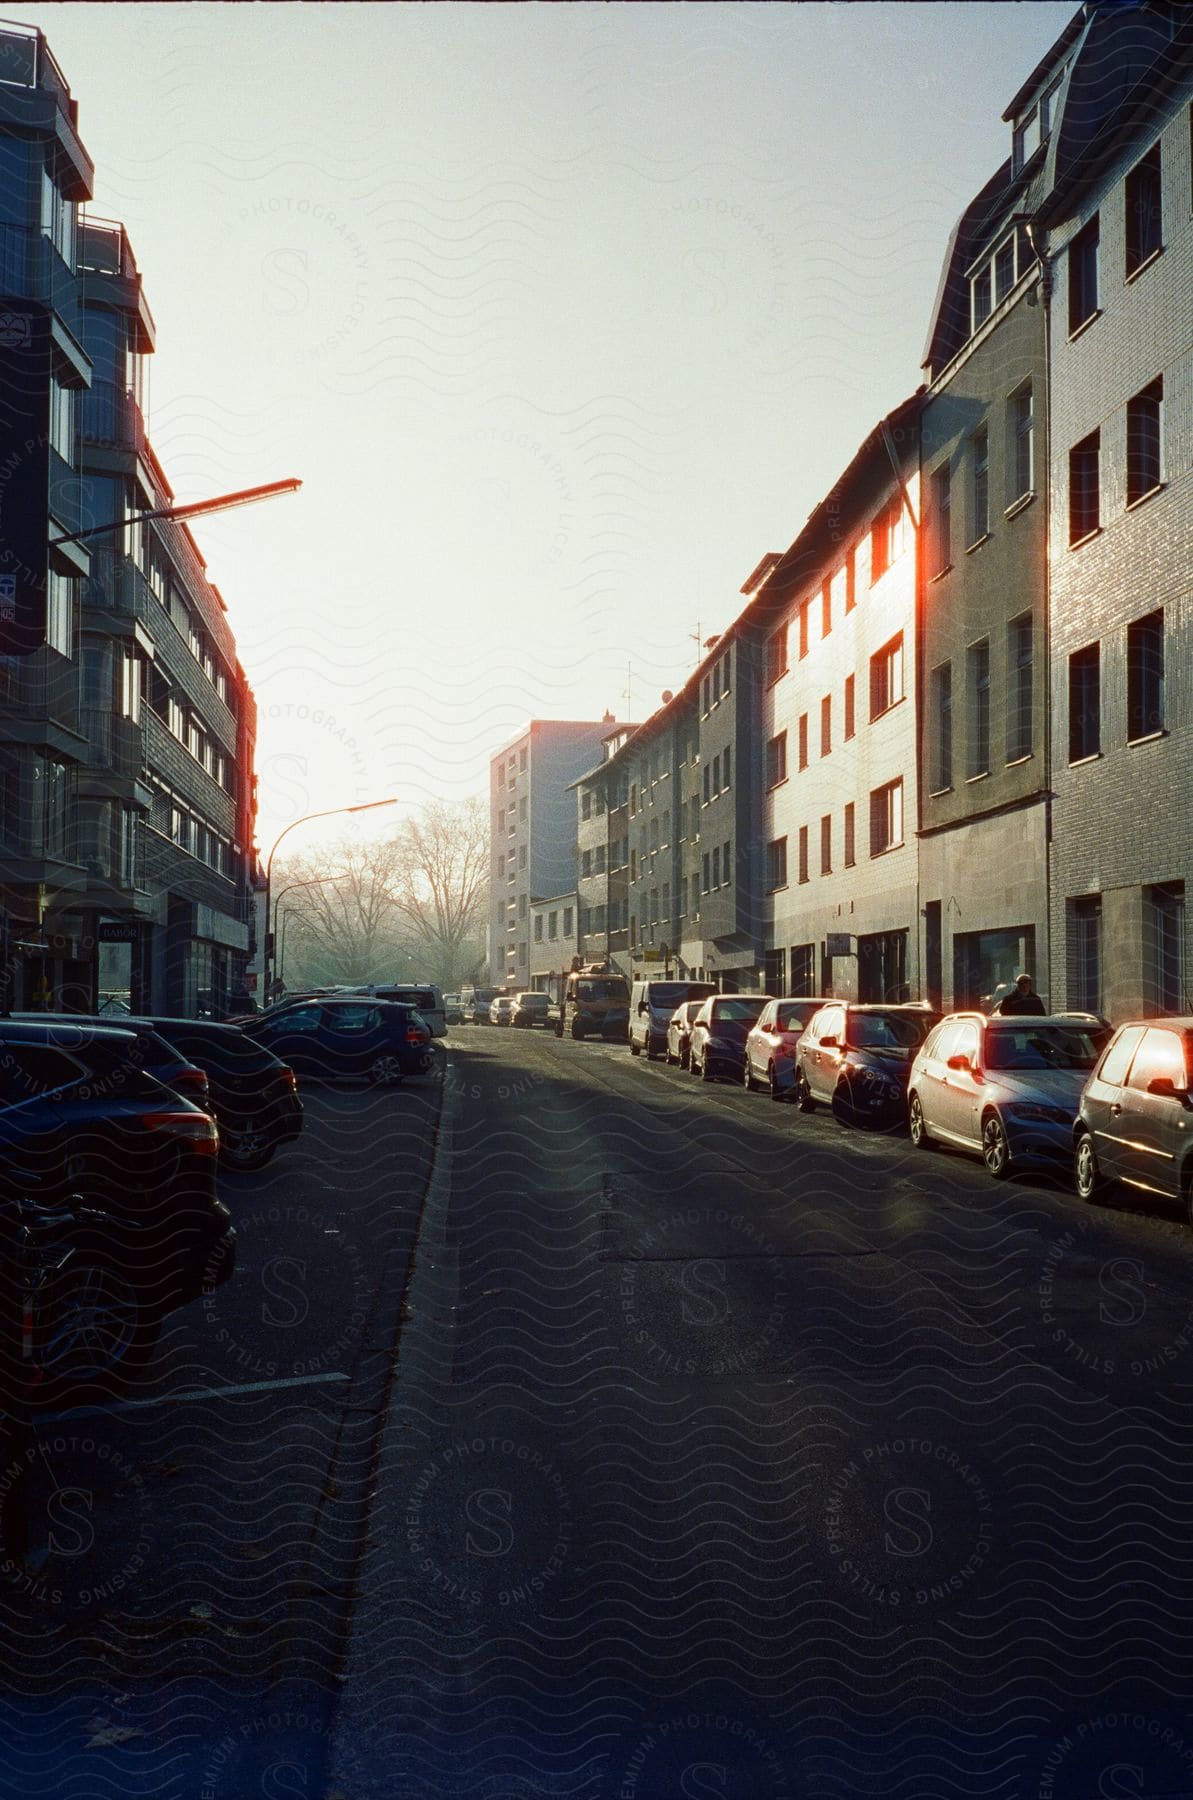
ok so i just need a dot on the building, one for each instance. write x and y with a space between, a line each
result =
532 832
836 619
602 858
554 942
1117 236
126 723
983 698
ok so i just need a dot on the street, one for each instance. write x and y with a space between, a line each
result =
696 1447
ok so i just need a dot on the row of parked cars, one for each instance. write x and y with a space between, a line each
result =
1113 1104
111 1134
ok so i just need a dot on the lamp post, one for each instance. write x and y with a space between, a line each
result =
270 924
191 509
315 881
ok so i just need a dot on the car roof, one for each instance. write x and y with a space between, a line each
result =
62 1031
1013 1021
1180 1022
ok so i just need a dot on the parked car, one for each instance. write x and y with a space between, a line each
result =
501 1009
1006 1088
86 1125
679 1032
374 1038
1135 1116
651 1005
254 1095
475 1006
153 1053
719 1033
856 1058
425 999
529 1010
596 1003
453 1009
771 1045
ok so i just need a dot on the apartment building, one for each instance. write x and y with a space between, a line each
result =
838 731
532 831
1117 223
126 722
554 941
983 692
602 857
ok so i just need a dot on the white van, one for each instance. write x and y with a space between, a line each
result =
651 1006
421 995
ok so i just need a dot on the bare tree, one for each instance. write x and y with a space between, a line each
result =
442 887
344 921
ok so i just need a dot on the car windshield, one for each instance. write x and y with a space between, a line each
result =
601 990
1045 1047
886 1031
797 1012
666 995
738 1007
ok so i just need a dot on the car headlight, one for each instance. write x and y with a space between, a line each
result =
1047 1115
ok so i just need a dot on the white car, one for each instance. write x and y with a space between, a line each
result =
501 1010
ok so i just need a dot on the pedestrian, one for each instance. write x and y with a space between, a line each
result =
1023 999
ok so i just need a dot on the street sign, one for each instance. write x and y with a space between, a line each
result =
114 931
838 943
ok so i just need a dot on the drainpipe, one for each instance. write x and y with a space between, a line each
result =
1035 239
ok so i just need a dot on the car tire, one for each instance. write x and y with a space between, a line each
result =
843 1109
1088 1179
244 1157
385 1071
996 1152
667 1056
747 1076
130 1327
707 1072
772 1087
917 1125
803 1093
577 1031
685 1057
635 1049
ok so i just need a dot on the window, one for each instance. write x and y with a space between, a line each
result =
586 804
598 860
850 835
716 866
1144 440
1083 276
849 707
776 864
716 775
707 782
826 725
941 777
1004 269
716 683
567 921
585 864
706 693
1020 635
776 655
1085 953
522 809
979 297
1084 487
886 817
776 760
704 872
803 852
880 545
727 765
522 856
978 746
726 668
942 509
979 486
522 757
803 628
1020 445
1144 211
60 614
538 928
850 581
1163 948
1085 702
62 420
553 925
803 740
826 844
886 677
1145 676
727 863
826 608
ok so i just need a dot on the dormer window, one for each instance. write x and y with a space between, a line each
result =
991 279
1033 127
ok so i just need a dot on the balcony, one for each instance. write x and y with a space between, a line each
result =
109 415
110 276
116 744
34 94
31 269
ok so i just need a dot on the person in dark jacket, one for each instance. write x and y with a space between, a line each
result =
1022 1000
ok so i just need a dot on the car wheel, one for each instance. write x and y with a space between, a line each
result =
803 1094
685 1057
385 1070
1088 1178
747 1076
635 1049
772 1086
247 1150
917 1125
577 1031
667 1056
707 1072
91 1328
996 1152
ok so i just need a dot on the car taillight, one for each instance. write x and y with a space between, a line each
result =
290 1078
193 1084
414 1036
196 1128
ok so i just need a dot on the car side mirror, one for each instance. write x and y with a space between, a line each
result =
830 1043
1166 1087
959 1061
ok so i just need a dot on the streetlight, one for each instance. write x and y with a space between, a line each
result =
329 813
191 509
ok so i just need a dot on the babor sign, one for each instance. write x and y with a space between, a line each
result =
113 931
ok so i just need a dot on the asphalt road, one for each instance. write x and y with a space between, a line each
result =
735 1454
615 1436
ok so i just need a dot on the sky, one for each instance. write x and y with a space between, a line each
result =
564 316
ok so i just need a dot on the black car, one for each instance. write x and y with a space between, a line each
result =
378 1039
151 1053
80 1122
856 1058
254 1095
